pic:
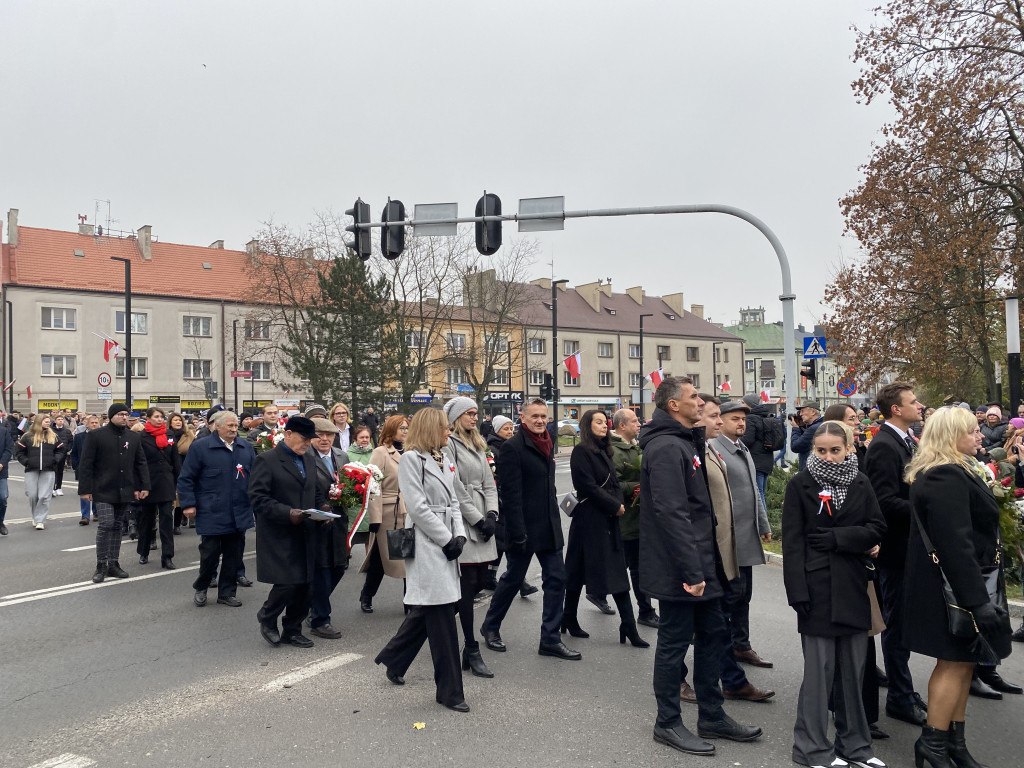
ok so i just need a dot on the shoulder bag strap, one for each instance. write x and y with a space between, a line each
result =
929 547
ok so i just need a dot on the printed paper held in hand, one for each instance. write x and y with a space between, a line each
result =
316 514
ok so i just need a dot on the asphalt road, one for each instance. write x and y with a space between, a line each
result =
129 673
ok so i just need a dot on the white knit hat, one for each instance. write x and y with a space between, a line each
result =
458 406
500 421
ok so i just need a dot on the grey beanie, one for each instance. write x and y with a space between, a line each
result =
458 406
500 421
752 400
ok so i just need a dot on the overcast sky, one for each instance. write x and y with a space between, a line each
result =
205 119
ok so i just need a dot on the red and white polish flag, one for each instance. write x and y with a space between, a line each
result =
572 365
655 377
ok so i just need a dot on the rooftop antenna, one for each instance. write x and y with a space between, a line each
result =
96 215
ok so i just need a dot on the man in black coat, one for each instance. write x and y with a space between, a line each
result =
888 454
282 487
526 486
112 475
6 451
681 566
332 552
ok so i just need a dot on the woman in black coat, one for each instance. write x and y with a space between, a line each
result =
66 438
960 516
594 555
162 460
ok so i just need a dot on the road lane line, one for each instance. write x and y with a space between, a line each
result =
67 483
79 549
67 760
310 670
61 516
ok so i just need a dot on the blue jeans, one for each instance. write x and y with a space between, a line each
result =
762 485
4 493
85 507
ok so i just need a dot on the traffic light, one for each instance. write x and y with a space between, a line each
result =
211 390
360 213
392 237
488 233
545 388
807 371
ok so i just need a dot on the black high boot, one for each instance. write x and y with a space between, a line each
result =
933 748
958 753
473 661
570 623
101 571
627 626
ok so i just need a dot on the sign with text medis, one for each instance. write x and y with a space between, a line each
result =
504 397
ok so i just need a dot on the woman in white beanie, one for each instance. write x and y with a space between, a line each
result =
478 503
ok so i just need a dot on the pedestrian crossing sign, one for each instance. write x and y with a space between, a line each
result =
814 346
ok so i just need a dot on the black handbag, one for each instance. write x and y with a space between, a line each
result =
402 543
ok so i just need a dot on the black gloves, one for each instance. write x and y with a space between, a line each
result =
823 541
453 548
803 609
988 619
486 526
517 547
374 527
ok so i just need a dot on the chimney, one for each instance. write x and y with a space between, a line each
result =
675 302
217 245
543 282
606 288
12 226
591 293
698 310
308 257
86 229
252 250
145 242
636 294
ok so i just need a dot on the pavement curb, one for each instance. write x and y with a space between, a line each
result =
1016 606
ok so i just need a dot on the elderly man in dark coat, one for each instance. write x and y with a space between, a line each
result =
213 487
680 565
282 489
332 553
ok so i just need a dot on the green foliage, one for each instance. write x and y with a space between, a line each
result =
775 493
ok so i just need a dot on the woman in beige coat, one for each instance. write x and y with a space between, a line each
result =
385 512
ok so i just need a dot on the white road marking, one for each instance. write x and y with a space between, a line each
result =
79 549
67 760
310 670
68 483
61 516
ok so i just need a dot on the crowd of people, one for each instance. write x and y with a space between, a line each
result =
887 509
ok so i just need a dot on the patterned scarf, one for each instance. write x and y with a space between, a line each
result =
834 478
438 457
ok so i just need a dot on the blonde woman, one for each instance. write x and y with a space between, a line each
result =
40 452
341 417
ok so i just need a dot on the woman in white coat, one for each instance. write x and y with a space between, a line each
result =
478 503
427 482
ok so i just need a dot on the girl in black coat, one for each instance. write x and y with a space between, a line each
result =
831 525
594 555
65 438
39 451
158 508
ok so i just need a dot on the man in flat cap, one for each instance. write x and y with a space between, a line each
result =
332 551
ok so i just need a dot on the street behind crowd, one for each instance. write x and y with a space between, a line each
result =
130 673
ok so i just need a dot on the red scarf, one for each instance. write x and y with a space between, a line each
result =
159 434
542 441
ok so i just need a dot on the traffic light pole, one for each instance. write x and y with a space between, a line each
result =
554 353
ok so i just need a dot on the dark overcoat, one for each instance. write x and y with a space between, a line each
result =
285 553
163 468
593 554
961 517
677 522
884 464
331 544
834 583
526 487
211 482
113 466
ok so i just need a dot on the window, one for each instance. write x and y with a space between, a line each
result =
692 355
139 322
695 378
497 344
748 365
196 369
604 349
536 378
500 377
725 356
537 346
570 347
414 339
456 341
191 325
455 376
140 366
634 351
767 383
58 319
664 353
569 380
254 329
58 365
260 369
604 379
634 380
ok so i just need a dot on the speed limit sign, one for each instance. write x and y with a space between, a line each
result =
103 379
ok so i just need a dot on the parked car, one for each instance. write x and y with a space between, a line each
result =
568 423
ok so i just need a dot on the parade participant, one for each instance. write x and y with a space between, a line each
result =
91 424
341 417
426 481
181 433
533 528
213 490
158 508
385 512
39 451
362 446
269 423
283 485
65 436
112 475
332 552
6 453
478 505
681 567
832 521
808 417
502 429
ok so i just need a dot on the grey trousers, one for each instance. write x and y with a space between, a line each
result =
39 489
823 656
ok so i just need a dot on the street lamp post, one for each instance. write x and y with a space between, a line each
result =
234 358
642 379
127 329
554 350
1013 349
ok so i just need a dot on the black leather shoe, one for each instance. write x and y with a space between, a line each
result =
299 640
394 677
526 589
457 706
680 738
243 582
983 691
908 713
653 620
143 560
991 677
1018 634
199 598
270 633
493 640
231 601
168 564
3 532
883 679
177 530
366 604
601 604
878 733
114 569
559 651
727 728
325 631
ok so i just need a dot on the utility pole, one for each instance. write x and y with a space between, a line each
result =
554 350
642 379
127 330
234 350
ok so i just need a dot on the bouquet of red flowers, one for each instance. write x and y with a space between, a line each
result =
268 440
352 490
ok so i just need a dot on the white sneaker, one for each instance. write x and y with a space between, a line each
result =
58 492
40 526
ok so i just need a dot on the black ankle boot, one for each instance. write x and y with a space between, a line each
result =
101 571
958 753
114 569
473 661
629 631
933 747
571 625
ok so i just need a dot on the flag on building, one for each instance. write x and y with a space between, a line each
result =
28 391
572 365
110 346
655 377
765 395
725 386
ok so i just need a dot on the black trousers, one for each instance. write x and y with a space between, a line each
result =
894 653
58 475
471 582
212 549
631 548
436 624
163 515
702 623
290 599
374 573
325 579
552 568
737 605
